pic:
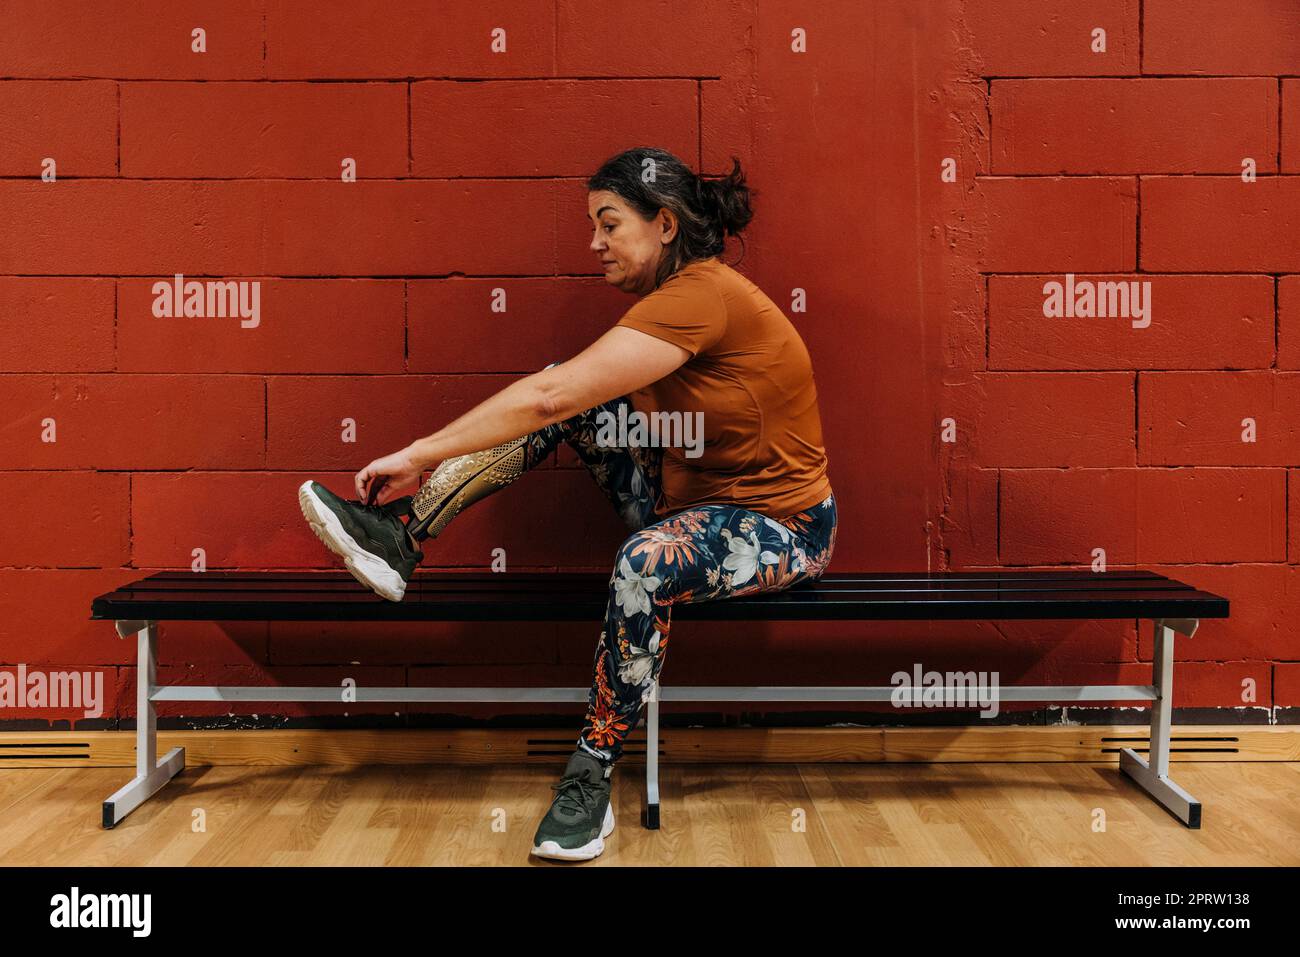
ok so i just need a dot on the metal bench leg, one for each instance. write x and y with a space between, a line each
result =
1154 776
650 813
150 773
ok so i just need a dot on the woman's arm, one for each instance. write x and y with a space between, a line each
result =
620 361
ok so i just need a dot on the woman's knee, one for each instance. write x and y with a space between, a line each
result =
640 579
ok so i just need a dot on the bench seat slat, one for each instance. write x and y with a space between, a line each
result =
578 596
863 578
583 582
1006 574
450 591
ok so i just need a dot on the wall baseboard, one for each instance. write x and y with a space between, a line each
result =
1086 744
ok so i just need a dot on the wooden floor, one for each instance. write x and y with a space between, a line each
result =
854 814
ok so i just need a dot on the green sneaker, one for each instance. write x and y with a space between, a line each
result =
371 539
580 817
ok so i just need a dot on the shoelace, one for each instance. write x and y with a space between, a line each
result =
394 509
398 506
586 793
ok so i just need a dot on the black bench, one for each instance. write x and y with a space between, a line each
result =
137 608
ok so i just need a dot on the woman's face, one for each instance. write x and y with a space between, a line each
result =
629 248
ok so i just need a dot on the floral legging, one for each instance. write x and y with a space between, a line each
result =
702 553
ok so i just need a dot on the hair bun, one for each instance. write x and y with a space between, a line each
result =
706 197
726 201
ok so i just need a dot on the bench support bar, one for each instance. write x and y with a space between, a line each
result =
650 813
1153 773
152 773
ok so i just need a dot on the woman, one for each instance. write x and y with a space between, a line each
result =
749 509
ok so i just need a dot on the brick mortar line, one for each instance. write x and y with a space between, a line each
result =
484 178
1154 274
997 551
410 78
1013 77
1137 225
1277 320
988 326
581 177
116 308
988 116
699 125
496 372
609 78
261 469
435 277
581 567
1115 175
1142 10
371 277
130 512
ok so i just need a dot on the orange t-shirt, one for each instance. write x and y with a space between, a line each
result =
751 378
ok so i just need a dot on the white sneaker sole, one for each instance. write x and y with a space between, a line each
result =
370 570
552 850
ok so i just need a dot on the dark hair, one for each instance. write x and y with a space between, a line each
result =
707 211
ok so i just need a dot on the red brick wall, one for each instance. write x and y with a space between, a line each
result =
924 303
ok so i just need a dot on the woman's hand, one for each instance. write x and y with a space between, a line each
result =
388 477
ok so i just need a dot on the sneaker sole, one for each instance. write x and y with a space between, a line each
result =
369 569
553 851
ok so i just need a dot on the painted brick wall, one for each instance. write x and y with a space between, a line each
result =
925 304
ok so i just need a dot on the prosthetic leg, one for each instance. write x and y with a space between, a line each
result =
462 481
